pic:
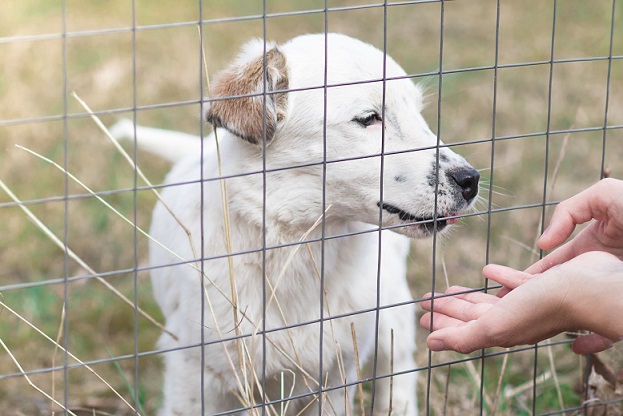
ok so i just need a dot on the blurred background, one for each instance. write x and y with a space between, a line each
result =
524 101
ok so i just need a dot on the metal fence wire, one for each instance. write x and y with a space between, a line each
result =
294 318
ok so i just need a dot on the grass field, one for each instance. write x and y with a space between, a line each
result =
550 139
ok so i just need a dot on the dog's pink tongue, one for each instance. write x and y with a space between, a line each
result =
451 221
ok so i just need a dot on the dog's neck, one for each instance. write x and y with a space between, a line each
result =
283 226
288 200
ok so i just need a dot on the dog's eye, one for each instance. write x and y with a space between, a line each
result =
368 120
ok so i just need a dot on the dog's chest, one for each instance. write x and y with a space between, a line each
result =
306 282
303 296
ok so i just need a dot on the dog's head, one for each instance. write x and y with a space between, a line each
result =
348 116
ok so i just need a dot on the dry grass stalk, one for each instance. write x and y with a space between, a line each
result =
233 287
71 254
72 356
499 386
296 360
478 382
245 387
230 262
247 396
445 271
100 199
127 157
340 364
561 157
293 252
552 365
513 392
391 372
242 385
127 220
99 123
338 352
29 381
532 250
284 408
195 266
446 391
57 343
358 367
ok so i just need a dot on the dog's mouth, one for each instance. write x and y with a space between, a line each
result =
426 224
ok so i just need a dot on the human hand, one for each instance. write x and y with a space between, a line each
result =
583 293
602 202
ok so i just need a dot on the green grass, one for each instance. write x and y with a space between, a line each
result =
99 69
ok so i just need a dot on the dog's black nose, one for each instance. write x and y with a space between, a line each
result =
467 179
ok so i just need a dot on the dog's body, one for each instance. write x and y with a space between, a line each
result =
277 318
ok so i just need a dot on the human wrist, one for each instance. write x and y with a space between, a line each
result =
594 299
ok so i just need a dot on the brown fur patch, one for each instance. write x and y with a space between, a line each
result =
244 115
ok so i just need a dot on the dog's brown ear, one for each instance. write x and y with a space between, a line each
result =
239 93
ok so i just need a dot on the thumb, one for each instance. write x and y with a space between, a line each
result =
591 343
463 338
593 202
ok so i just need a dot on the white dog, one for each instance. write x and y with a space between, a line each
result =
296 294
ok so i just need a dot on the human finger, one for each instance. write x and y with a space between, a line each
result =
427 300
495 328
464 338
506 276
581 244
594 202
459 308
591 343
561 255
457 292
471 295
438 321
503 292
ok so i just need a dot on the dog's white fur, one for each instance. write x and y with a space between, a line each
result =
288 284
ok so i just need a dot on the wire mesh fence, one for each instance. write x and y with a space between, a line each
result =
530 94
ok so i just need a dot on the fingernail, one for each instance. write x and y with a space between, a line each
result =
436 345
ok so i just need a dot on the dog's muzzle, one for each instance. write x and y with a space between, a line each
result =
467 180
464 181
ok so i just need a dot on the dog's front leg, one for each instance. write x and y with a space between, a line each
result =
396 345
395 387
182 380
